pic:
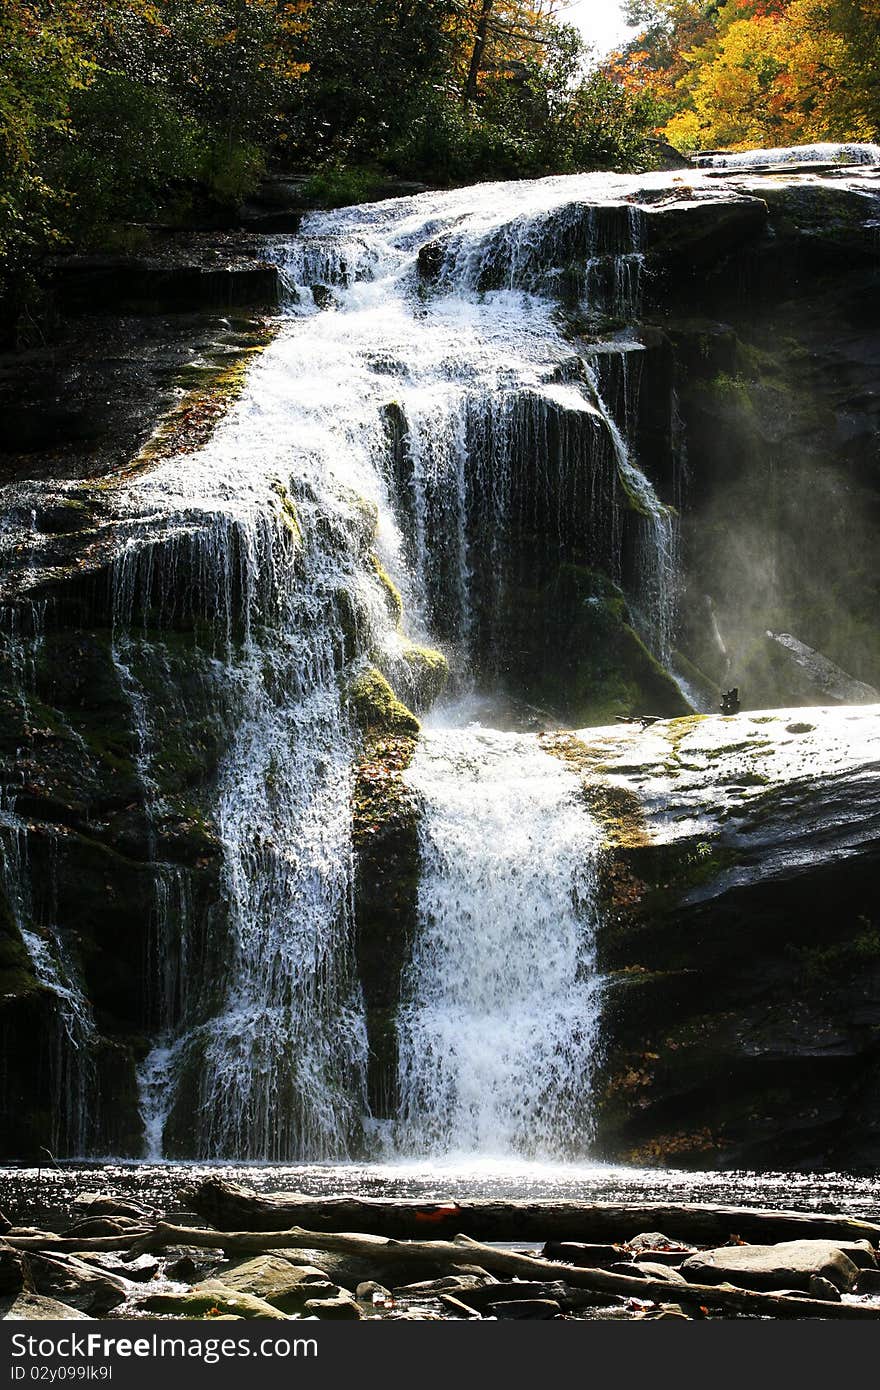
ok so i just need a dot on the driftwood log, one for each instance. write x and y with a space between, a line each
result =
231 1207
447 1257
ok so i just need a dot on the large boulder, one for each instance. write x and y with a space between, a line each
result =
33 1307
286 1286
791 1264
211 1299
71 1281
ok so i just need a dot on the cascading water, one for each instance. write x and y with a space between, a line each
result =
434 417
499 1025
822 153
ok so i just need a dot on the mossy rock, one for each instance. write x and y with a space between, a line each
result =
580 653
428 673
386 839
391 593
376 708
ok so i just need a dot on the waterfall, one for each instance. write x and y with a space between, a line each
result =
431 421
499 1021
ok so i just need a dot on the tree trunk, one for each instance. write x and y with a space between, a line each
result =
479 48
228 1205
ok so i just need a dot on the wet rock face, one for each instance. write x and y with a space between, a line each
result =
743 1001
776 351
87 853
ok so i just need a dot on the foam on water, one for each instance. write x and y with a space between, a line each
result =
498 1031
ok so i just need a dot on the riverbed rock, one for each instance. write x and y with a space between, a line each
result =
10 1269
819 1287
210 1295
32 1307
140 1269
189 1264
71 1281
89 1204
790 1264
286 1286
342 1307
523 1309
654 1270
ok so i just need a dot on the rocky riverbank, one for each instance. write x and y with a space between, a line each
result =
123 1258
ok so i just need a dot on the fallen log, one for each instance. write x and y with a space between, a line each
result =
447 1257
49 1242
230 1206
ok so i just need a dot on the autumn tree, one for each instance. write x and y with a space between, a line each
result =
757 72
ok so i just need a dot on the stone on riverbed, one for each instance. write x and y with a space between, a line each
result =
29 1307
210 1298
72 1281
659 1271
790 1264
10 1269
140 1269
452 1283
189 1263
342 1307
286 1286
521 1309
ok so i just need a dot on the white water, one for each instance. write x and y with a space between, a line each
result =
260 1045
499 1027
822 153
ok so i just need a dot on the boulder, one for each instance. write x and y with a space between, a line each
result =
521 1309
72 1281
31 1307
211 1298
452 1283
139 1269
514 1291
371 1292
341 1308
10 1269
102 1204
188 1264
287 1287
90 1226
790 1264
660 1271
823 1288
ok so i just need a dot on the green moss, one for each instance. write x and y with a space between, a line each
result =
617 809
824 964
17 977
209 391
581 655
428 672
393 600
376 708
288 513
